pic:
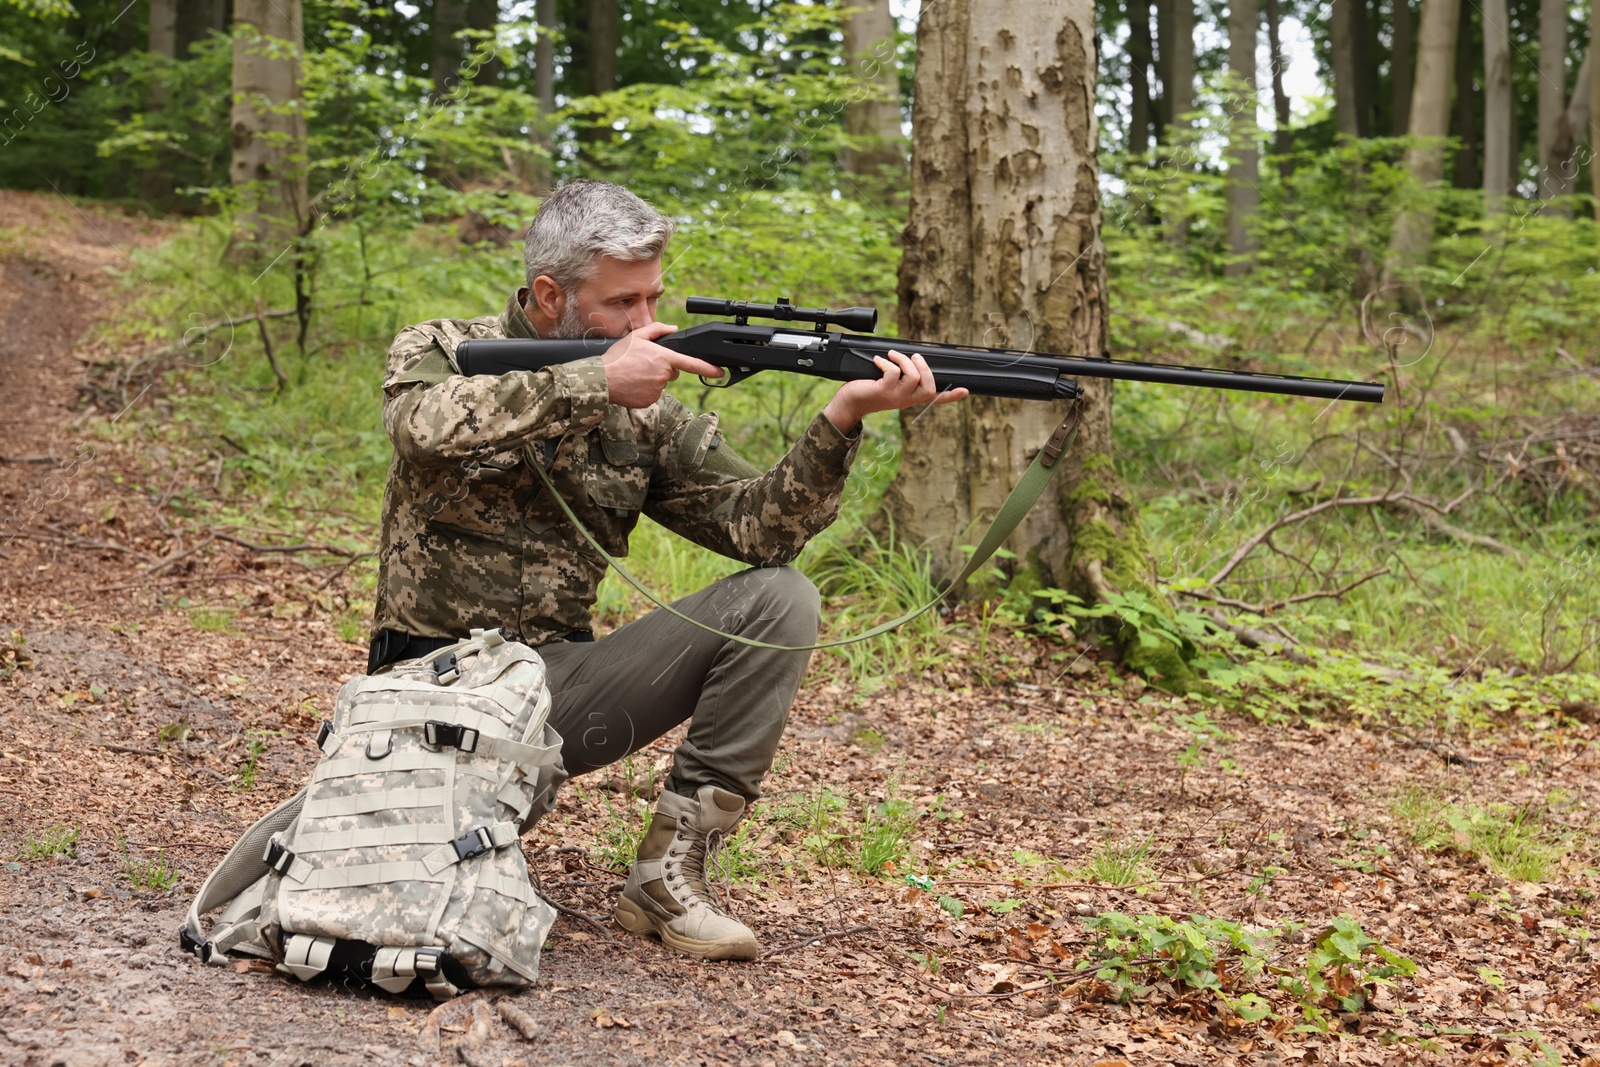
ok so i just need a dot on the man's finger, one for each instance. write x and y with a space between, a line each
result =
950 396
654 330
680 362
888 367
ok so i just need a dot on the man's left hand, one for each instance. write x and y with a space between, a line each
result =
906 382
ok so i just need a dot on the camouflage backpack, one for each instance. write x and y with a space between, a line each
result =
399 864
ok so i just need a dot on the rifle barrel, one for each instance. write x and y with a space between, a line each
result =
1209 378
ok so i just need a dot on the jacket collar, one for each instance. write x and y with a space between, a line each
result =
514 321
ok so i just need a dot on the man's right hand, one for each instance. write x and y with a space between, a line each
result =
638 369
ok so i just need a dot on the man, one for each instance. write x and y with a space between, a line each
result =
470 539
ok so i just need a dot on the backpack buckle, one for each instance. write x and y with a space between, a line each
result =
324 732
439 734
279 858
446 665
198 947
472 843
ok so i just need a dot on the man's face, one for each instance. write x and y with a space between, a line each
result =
619 298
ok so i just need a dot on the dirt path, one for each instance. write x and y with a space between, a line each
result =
131 720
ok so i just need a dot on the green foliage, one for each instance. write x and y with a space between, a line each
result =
1342 969
1120 865
48 843
1212 955
1513 841
1230 962
255 747
885 839
622 830
155 875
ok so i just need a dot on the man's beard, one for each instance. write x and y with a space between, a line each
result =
570 325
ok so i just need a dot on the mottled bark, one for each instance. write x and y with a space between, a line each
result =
1244 148
268 169
1430 123
872 111
1003 248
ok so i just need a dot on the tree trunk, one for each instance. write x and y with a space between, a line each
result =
1346 78
1552 91
1558 175
1594 107
1401 59
197 19
269 132
605 38
1180 92
1430 123
1244 149
872 114
1282 139
1469 103
1162 104
483 15
1139 53
1003 248
544 91
544 58
1497 149
449 19
155 183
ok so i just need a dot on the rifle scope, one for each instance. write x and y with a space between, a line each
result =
861 320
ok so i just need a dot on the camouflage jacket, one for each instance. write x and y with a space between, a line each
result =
469 537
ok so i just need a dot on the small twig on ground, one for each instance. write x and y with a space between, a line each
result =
31 459
1251 637
351 562
814 938
303 547
1451 756
129 749
73 541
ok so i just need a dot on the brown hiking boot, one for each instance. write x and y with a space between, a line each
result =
666 893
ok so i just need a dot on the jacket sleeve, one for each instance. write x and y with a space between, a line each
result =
705 492
434 415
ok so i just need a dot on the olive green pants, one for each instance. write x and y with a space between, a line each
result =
616 695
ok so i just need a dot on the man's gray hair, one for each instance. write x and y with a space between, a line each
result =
584 220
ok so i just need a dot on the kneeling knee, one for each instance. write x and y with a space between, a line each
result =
791 592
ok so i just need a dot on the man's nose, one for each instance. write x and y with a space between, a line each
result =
640 317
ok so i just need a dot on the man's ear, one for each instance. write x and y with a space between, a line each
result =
548 297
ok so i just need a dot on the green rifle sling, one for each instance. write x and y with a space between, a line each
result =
1017 505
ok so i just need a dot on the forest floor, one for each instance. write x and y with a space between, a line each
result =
158 731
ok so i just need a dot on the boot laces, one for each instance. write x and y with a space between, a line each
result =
697 864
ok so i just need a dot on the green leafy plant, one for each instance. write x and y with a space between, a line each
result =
47 843
1342 969
1120 864
256 744
1213 955
154 874
885 835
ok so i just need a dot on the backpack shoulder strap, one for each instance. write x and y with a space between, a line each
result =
244 864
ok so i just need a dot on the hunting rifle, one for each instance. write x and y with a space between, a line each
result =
742 350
